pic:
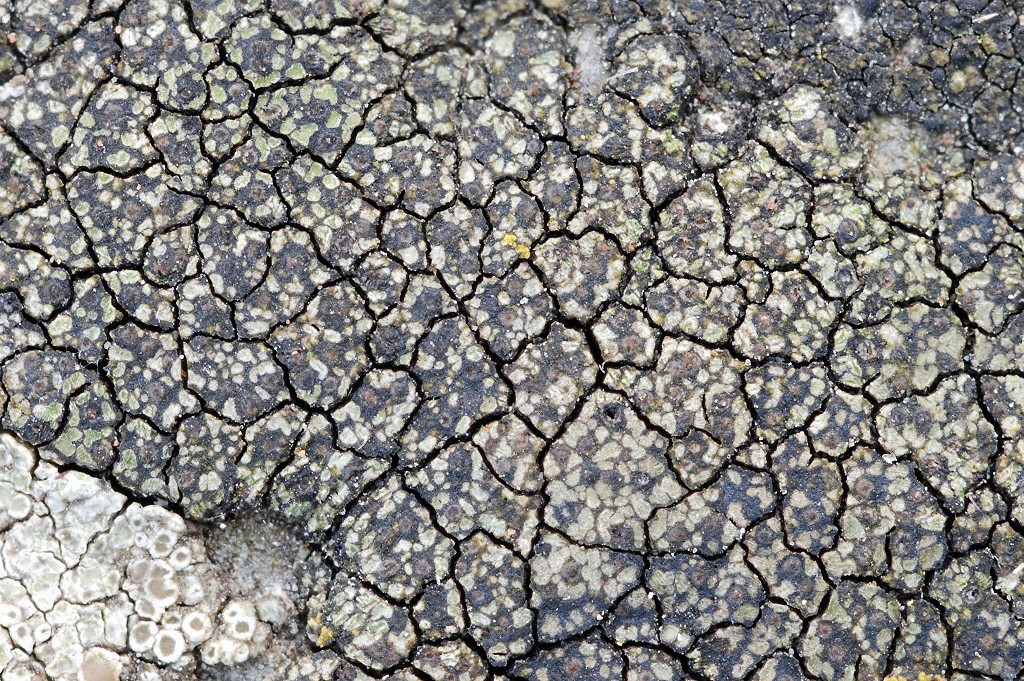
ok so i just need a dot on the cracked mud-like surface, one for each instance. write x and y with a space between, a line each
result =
427 339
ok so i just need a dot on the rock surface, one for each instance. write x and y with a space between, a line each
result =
431 339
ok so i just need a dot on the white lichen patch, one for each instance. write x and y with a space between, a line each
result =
96 588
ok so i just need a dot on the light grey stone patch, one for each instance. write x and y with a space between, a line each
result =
95 586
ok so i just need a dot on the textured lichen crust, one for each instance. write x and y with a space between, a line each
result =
95 587
502 339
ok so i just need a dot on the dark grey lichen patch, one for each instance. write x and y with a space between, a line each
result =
626 341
